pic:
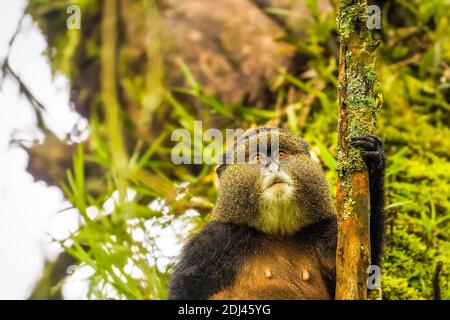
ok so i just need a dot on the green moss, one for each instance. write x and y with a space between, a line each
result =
360 100
398 289
360 77
352 16
410 264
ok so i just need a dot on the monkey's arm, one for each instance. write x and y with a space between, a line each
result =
373 155
209 261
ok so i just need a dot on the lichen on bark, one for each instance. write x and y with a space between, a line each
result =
357 111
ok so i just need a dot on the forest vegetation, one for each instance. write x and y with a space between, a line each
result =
140 69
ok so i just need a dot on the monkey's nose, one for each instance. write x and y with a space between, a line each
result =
272 166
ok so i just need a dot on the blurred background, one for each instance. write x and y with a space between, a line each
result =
91 205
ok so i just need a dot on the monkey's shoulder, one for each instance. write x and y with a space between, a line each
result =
210 259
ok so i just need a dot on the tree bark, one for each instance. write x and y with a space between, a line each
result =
357 111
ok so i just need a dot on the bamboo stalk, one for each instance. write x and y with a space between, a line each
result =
108 56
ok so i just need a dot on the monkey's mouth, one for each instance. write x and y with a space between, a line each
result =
277 180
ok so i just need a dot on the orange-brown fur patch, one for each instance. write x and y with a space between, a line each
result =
278 272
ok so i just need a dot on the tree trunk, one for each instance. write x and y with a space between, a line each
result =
357 111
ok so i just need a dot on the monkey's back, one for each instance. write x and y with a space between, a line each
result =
227 261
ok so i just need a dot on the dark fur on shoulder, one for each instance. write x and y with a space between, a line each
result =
210 260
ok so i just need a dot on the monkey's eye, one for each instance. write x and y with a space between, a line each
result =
282 154
257 158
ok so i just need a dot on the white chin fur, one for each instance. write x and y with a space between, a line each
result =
279 213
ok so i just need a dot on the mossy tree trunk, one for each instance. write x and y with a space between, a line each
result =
357 111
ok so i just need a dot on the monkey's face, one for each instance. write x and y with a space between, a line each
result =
271 184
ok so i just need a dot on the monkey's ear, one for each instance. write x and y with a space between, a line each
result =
313 156
220 168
